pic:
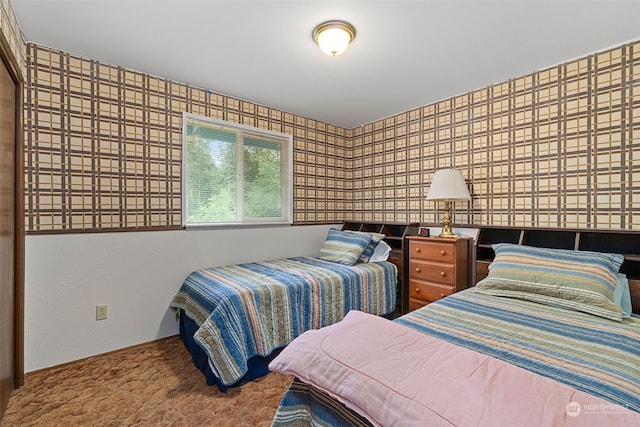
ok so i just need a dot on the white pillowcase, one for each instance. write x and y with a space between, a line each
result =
381 252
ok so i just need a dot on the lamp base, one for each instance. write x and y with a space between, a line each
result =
447 233
446 228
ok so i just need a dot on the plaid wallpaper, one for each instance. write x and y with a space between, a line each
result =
103 147
11 33
559 147
551 149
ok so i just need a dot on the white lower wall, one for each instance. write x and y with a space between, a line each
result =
136 274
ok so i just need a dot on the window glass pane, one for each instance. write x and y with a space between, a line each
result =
235 174
211 175
262 179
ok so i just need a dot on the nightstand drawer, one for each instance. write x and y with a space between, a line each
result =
440 273
428 292
415 304
432 251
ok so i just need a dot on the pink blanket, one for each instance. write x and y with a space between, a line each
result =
394 375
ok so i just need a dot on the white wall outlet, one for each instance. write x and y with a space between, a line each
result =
101 312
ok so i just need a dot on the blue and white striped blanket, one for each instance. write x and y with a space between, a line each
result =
598 356
252 309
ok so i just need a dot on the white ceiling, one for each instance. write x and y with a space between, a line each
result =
405 54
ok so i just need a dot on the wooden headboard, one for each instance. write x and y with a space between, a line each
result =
624 242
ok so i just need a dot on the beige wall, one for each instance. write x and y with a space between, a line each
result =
559 147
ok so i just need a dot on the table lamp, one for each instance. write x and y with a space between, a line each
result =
448 185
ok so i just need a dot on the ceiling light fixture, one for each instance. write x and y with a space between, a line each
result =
334 37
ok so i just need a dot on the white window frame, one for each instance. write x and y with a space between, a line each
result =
286 142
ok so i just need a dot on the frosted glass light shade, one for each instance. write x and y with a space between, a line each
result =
333 37
448 184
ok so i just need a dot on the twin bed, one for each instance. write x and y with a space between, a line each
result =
235 319
548 338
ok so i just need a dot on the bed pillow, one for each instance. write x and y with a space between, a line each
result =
344 247
381 252
578 280
376 238
622 295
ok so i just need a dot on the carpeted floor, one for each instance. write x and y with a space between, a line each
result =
155 384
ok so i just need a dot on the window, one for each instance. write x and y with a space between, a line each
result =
234 174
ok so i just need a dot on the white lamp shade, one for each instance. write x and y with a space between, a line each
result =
448 184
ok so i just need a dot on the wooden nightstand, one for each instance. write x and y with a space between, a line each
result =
438 267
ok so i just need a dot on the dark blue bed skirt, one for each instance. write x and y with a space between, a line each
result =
258 366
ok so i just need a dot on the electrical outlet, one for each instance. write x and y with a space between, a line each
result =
101 312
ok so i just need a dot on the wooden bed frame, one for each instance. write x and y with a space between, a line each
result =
624 242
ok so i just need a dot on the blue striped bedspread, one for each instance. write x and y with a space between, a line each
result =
252 309
592 354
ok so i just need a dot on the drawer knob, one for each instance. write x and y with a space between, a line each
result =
441 295
418 249
443 252
418 270
417 290
442 273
